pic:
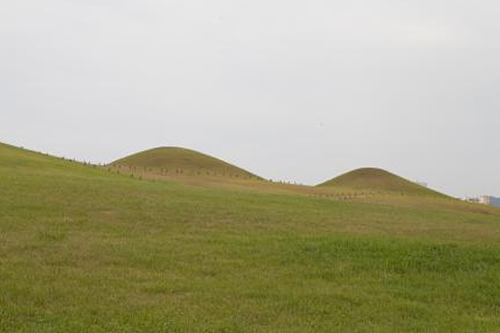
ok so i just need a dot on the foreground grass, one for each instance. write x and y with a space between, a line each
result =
82 250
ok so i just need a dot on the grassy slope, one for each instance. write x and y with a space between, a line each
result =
84 250
174 160
374 179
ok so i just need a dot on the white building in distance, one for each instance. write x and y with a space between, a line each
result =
490 201
484 200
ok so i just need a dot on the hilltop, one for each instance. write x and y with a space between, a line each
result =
181 161
375 179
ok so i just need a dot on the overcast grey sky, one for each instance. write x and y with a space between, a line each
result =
296 90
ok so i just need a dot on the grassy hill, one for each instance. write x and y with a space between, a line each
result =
180 161
83 249
374 179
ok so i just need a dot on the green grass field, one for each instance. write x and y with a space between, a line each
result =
85 249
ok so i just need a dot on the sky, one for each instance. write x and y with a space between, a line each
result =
290 90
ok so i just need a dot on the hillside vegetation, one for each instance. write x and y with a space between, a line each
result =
83 249
175 161
374 179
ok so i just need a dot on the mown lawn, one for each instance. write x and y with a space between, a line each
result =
84 250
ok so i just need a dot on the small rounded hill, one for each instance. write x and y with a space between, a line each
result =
375 179
186 161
